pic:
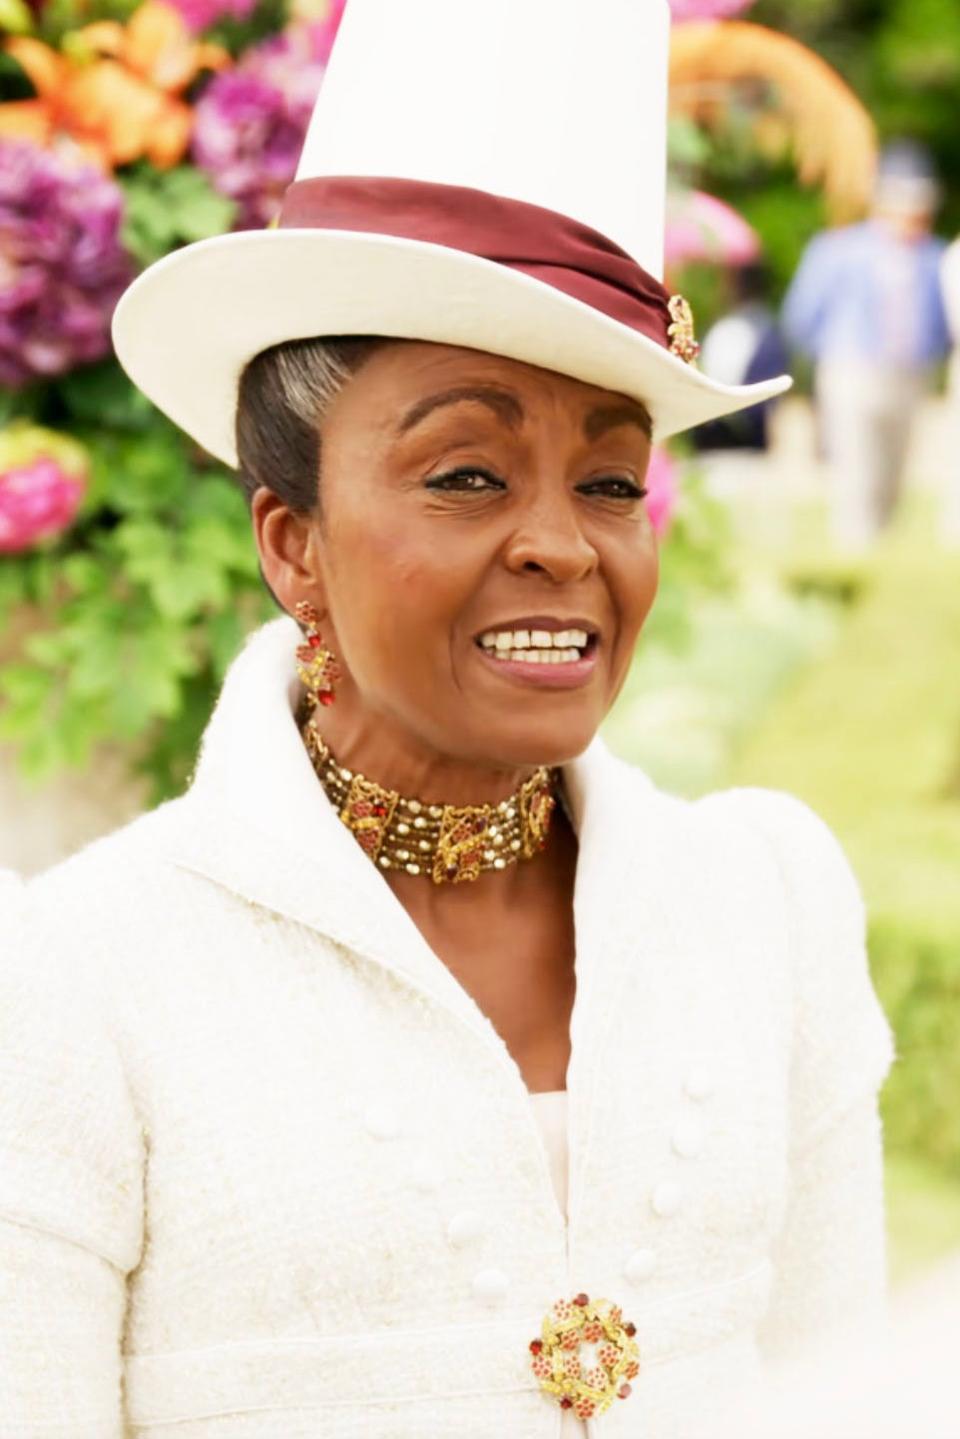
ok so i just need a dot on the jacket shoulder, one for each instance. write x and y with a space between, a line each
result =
844 1042
96 900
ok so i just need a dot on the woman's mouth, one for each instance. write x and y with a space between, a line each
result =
556 654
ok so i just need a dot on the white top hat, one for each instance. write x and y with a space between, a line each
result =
482 173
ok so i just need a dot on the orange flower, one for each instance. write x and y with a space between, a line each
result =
116 89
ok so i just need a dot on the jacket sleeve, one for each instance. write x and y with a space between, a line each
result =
830 1262
71 1162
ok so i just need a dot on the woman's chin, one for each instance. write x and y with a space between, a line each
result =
528 746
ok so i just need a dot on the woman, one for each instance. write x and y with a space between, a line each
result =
277 1053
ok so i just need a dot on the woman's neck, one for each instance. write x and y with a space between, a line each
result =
381 751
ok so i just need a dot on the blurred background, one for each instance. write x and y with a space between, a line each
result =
807 632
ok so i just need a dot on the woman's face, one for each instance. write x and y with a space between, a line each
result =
475 512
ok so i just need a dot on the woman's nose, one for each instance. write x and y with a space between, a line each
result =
550 541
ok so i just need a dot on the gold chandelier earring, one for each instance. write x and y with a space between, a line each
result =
316 664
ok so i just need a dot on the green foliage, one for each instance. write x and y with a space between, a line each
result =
923 1215
57 18
139 608
902 57
15 18
871 739
693 563
917 972
236 35
167 208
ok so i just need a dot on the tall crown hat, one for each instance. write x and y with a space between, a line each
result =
481 173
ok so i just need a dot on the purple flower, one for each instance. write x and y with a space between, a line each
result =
251 121
62 267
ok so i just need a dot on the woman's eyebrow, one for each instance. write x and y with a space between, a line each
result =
607 417
501 402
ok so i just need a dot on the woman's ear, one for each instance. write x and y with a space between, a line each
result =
291 551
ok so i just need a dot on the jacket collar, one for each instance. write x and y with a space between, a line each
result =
256 822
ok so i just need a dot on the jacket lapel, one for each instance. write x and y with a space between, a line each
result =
256 822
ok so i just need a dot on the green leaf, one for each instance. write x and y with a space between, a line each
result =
25 689
168 208
102 395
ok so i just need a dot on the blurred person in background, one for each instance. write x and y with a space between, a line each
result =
866 306
743 347
950 511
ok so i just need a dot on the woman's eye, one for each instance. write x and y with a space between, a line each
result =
465 480
614 487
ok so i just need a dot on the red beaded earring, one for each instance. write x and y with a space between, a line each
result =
316 666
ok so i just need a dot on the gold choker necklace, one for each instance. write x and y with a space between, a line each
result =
451 843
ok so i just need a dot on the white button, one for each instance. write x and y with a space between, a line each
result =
381 1119
640 1265
490 1285
700 1083
688 1137
465 1227
666 1198
424 1174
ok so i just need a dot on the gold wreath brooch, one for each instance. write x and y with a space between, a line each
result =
587 1383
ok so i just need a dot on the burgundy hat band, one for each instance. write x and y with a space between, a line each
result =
541 243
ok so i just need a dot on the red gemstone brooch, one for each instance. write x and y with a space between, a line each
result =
585 1380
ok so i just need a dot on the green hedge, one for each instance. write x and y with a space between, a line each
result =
870 737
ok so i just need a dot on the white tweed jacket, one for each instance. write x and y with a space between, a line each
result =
267 1170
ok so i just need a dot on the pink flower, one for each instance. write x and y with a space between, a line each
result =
43 477
707 9
200 14
662 490
324 28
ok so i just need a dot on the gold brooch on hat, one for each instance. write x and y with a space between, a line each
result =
680 333
587 1386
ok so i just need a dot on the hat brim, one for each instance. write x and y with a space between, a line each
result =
187 326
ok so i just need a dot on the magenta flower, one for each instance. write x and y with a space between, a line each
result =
200 14
707 9
43 476
662 490
324 26
251 121
62 267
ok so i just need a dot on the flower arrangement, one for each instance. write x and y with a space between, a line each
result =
128 128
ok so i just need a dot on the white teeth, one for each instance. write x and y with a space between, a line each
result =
539 657
533 641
